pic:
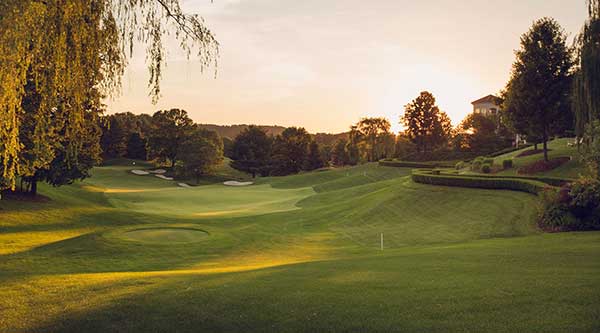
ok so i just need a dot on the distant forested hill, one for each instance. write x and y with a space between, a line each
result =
231 131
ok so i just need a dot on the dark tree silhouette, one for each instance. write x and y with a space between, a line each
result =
537 96
251 151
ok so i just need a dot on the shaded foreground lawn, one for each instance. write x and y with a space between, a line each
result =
455 260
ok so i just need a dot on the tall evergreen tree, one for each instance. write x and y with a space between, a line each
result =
537 95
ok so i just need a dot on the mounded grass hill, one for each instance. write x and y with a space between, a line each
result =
127 253
558 148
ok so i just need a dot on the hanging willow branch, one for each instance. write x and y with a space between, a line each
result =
71 53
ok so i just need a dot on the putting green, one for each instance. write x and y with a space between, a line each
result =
165 235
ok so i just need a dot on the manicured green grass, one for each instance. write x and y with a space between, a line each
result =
290 254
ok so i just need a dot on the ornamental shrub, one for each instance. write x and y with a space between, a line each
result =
554 213
460 165
489 161
486 168
477 162
507 164
585 202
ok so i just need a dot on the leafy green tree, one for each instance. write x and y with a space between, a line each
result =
290 150
124 135
353 147
404 146
326 153
251 151
314 159
114 137
373 132
136 147
387 146
170 128
481 133
63 170
200 153
537 96
86 43
425 124
227 147
339 156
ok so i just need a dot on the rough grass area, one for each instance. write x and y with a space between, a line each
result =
291 254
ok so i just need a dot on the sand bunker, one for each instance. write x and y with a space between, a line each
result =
158 171
166 235
236 183
184 185
140 172
163 177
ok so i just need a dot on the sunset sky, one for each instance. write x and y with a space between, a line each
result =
324 64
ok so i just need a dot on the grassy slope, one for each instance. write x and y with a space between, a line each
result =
559 148
455 259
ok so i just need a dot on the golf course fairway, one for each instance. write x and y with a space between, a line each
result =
120 252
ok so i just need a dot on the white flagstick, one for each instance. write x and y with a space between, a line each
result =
382 241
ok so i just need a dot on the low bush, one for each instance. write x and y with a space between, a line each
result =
507 164
486 168
573 207
515 184
476 163
435 172
585 201
554 214
489 161
459 165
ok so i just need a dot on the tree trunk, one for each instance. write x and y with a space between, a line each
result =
535 146
172 163
33 190
545 149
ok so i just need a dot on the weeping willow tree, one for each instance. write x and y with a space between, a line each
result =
60 58
586 86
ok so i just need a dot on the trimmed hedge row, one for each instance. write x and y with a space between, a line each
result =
407 164
515 184
552 181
